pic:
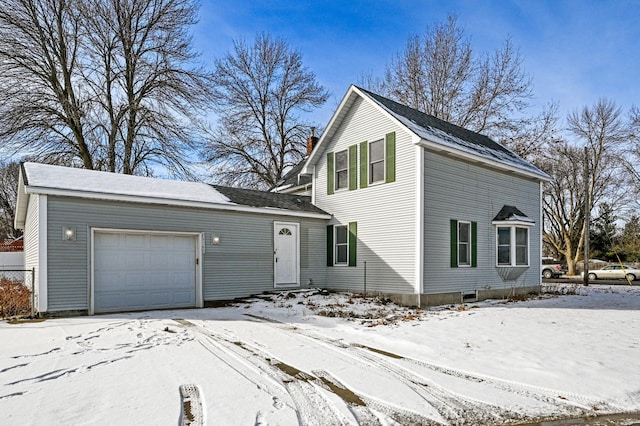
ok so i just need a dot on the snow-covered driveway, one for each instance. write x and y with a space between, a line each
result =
278 362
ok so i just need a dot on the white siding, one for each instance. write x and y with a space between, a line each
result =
32 249
385 212
467 192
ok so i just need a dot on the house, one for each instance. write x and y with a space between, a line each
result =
11 254
437 213
105 242
401 204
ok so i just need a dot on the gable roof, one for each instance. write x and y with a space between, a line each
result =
47 179
292 179
434 134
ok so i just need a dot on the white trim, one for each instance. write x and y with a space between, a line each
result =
541 232
199 302
297 226
172 202
335 244
384 162
335 170
419 252
512 244
469 243
314 186
43 257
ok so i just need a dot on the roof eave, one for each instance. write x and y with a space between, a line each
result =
171 202
22 201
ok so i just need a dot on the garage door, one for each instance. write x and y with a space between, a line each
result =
141 271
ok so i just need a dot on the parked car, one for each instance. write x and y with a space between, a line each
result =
615 272
551 268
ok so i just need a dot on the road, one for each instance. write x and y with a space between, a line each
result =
578 280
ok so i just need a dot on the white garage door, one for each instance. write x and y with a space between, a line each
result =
141 271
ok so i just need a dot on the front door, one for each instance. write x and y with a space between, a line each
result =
286 254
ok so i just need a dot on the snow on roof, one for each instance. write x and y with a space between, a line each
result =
453 137
47 177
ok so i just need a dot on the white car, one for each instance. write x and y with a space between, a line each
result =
615 272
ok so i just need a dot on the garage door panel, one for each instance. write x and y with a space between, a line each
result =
143 271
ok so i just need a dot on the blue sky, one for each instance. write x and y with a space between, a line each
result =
576 50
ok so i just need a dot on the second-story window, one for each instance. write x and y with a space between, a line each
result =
376 161
342 170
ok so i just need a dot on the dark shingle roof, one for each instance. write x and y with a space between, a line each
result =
255 198
293 178
511 213
430 127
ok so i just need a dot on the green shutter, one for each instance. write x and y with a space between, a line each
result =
353 243
390 157
454 243
353 167
329 245
364 164
474 244
330 173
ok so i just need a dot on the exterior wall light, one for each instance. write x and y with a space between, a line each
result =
215 240
68 233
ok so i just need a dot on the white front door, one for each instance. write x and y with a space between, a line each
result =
286 246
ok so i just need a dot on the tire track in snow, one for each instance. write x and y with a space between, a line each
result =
446 401
311 406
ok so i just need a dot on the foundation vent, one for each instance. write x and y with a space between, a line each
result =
469 296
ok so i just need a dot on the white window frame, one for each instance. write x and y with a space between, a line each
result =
336 244
383 161
513 227
336 181
468 244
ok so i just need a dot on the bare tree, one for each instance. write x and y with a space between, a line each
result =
9 173
603 131
439 74
260 91
633 151
109 82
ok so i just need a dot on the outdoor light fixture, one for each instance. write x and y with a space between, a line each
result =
215 239
68 233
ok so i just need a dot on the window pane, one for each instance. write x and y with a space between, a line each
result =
463 254
341 235
521 236
342 179
377 172
504 236
341 254
341 160
376 151
463 232
521 255
504 255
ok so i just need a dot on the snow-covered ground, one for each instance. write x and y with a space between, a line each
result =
305 358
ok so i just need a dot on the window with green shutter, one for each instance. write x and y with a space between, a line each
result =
342 244
390 157
353 167
330 171
364 164
464 244
329 245
353 243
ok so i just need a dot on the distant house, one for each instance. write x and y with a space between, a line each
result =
11 254
405 204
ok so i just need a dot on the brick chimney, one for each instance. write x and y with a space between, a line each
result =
311 141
